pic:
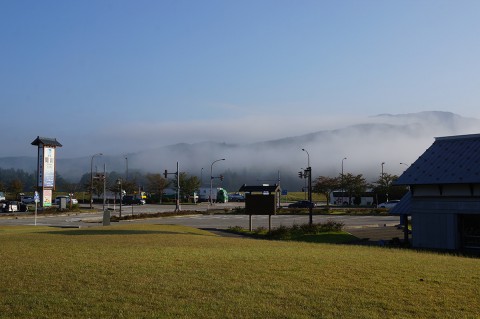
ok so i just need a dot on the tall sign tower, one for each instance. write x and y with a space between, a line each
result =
46 168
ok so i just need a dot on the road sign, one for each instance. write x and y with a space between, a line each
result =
36 197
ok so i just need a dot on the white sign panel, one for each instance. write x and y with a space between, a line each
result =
49 167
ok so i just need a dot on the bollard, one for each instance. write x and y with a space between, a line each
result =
106 218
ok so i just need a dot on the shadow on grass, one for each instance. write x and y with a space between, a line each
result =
96 232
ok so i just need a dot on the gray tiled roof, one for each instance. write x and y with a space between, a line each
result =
449 160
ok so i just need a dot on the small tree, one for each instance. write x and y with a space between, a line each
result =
383 184
326 185
156 184
16 186
355 185
188 185
385 188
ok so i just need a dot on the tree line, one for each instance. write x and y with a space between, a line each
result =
18 181
356 185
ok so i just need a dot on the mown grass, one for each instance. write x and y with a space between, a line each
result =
161 271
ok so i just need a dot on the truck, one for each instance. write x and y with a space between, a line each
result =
343 198
219 195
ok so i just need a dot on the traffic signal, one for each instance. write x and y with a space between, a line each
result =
300 174
166 173
221 177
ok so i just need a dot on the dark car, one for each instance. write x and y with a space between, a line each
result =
132 200
302 204
236 198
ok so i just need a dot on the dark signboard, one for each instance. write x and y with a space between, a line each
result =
257 204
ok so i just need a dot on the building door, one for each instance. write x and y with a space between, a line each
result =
469 231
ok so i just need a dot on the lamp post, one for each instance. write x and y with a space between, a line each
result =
405 164
119 183
211 177
91 178
384 182
126 168
308 157
201 177
308 171
343 187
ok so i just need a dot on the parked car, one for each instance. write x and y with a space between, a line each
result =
12 206
236 198
132 200
28 200
302 204
389 204
58 198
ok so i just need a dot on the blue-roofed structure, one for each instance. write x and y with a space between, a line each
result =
450 160
444 197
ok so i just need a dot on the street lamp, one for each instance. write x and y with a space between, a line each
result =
211 177
308 157
119 183
384 182
126 168
405 164
309 176
201 177
91 178
343 188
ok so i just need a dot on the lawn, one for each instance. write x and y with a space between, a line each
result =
161 271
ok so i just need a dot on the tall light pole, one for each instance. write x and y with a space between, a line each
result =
384 182
308 172
201 177
126 168
343 187
211 178
119 183
91 178
308 157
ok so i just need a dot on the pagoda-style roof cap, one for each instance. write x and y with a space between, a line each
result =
48 141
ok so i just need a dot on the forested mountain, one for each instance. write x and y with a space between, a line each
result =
386 138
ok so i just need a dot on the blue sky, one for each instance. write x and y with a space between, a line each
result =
122 76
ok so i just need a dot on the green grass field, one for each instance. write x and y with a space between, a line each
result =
160 271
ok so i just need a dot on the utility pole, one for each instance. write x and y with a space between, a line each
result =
308 171
307 175
177 200
177 205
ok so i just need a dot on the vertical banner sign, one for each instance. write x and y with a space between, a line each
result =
40 167
46 169
49 167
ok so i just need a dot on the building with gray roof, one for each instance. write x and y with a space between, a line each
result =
444 197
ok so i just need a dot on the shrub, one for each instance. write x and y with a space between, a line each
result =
295 231
236 229
261 231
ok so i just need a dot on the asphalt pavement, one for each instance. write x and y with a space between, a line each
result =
371 229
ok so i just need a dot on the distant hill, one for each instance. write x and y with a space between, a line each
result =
383 138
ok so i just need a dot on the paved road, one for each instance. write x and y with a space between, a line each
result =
199 221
